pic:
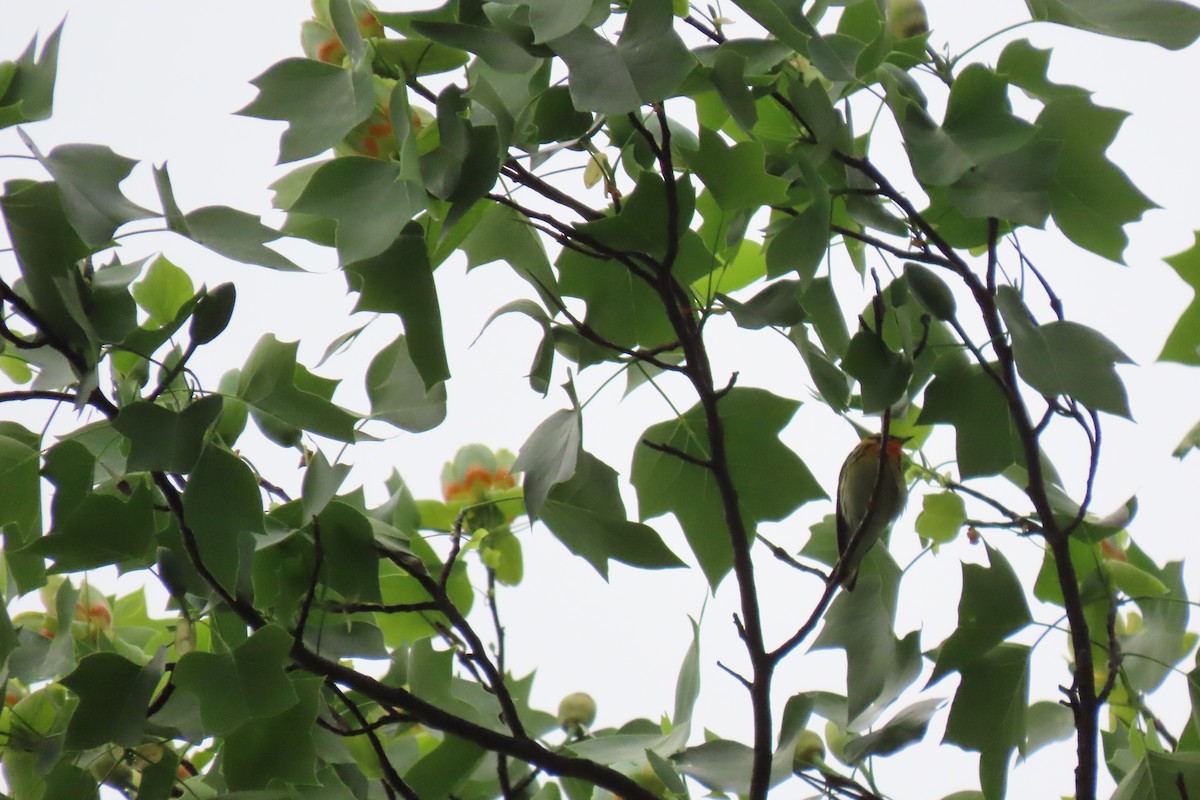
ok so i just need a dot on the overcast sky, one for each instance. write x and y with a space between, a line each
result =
158 80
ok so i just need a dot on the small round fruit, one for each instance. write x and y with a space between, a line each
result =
906 18
576 712
810 750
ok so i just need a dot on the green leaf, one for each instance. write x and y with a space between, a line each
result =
646 65
988 713
20 502
991 609
236 235
1183 343
587 515
246 683
320 484
418 56
492 45
1016 187
371 201
1133 581
882 374
400 281
89 177
930 291
320 103
1152 651
979 117
801 242
1047 722
879 666
274 749
906 728
444 770
29 93
967 398
729 76
221 505
832 384
718 765
273 382
163 440
549 456
214 309
67 782
397 393
543 359
942 517
501 234
1092 199
553 18
102 529
1159 776
1064 357
771 480
114 694
47 250
351 561
736 175
1168 23
777 304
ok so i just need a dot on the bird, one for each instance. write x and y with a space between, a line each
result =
856 487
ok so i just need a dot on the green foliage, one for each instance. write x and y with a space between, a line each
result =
670 202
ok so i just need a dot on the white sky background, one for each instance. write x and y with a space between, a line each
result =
158 81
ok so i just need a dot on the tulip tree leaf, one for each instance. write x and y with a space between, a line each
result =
164 440
163 291
771 480
1168 23
351 562
1159 644
398 394
587 515
369 198
278 748
246 683
879 665
236 235
989 712
906 728
273 382
735 174
553 18
1064 357
1183 343
646 65
89 177
319 101
501 234
967 398
1161 775
28 94
882 373
221 504
114 694
102 529
549 456
1047 722
991 609
400 281
47 249
942 517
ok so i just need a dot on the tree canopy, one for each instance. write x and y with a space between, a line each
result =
673 202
